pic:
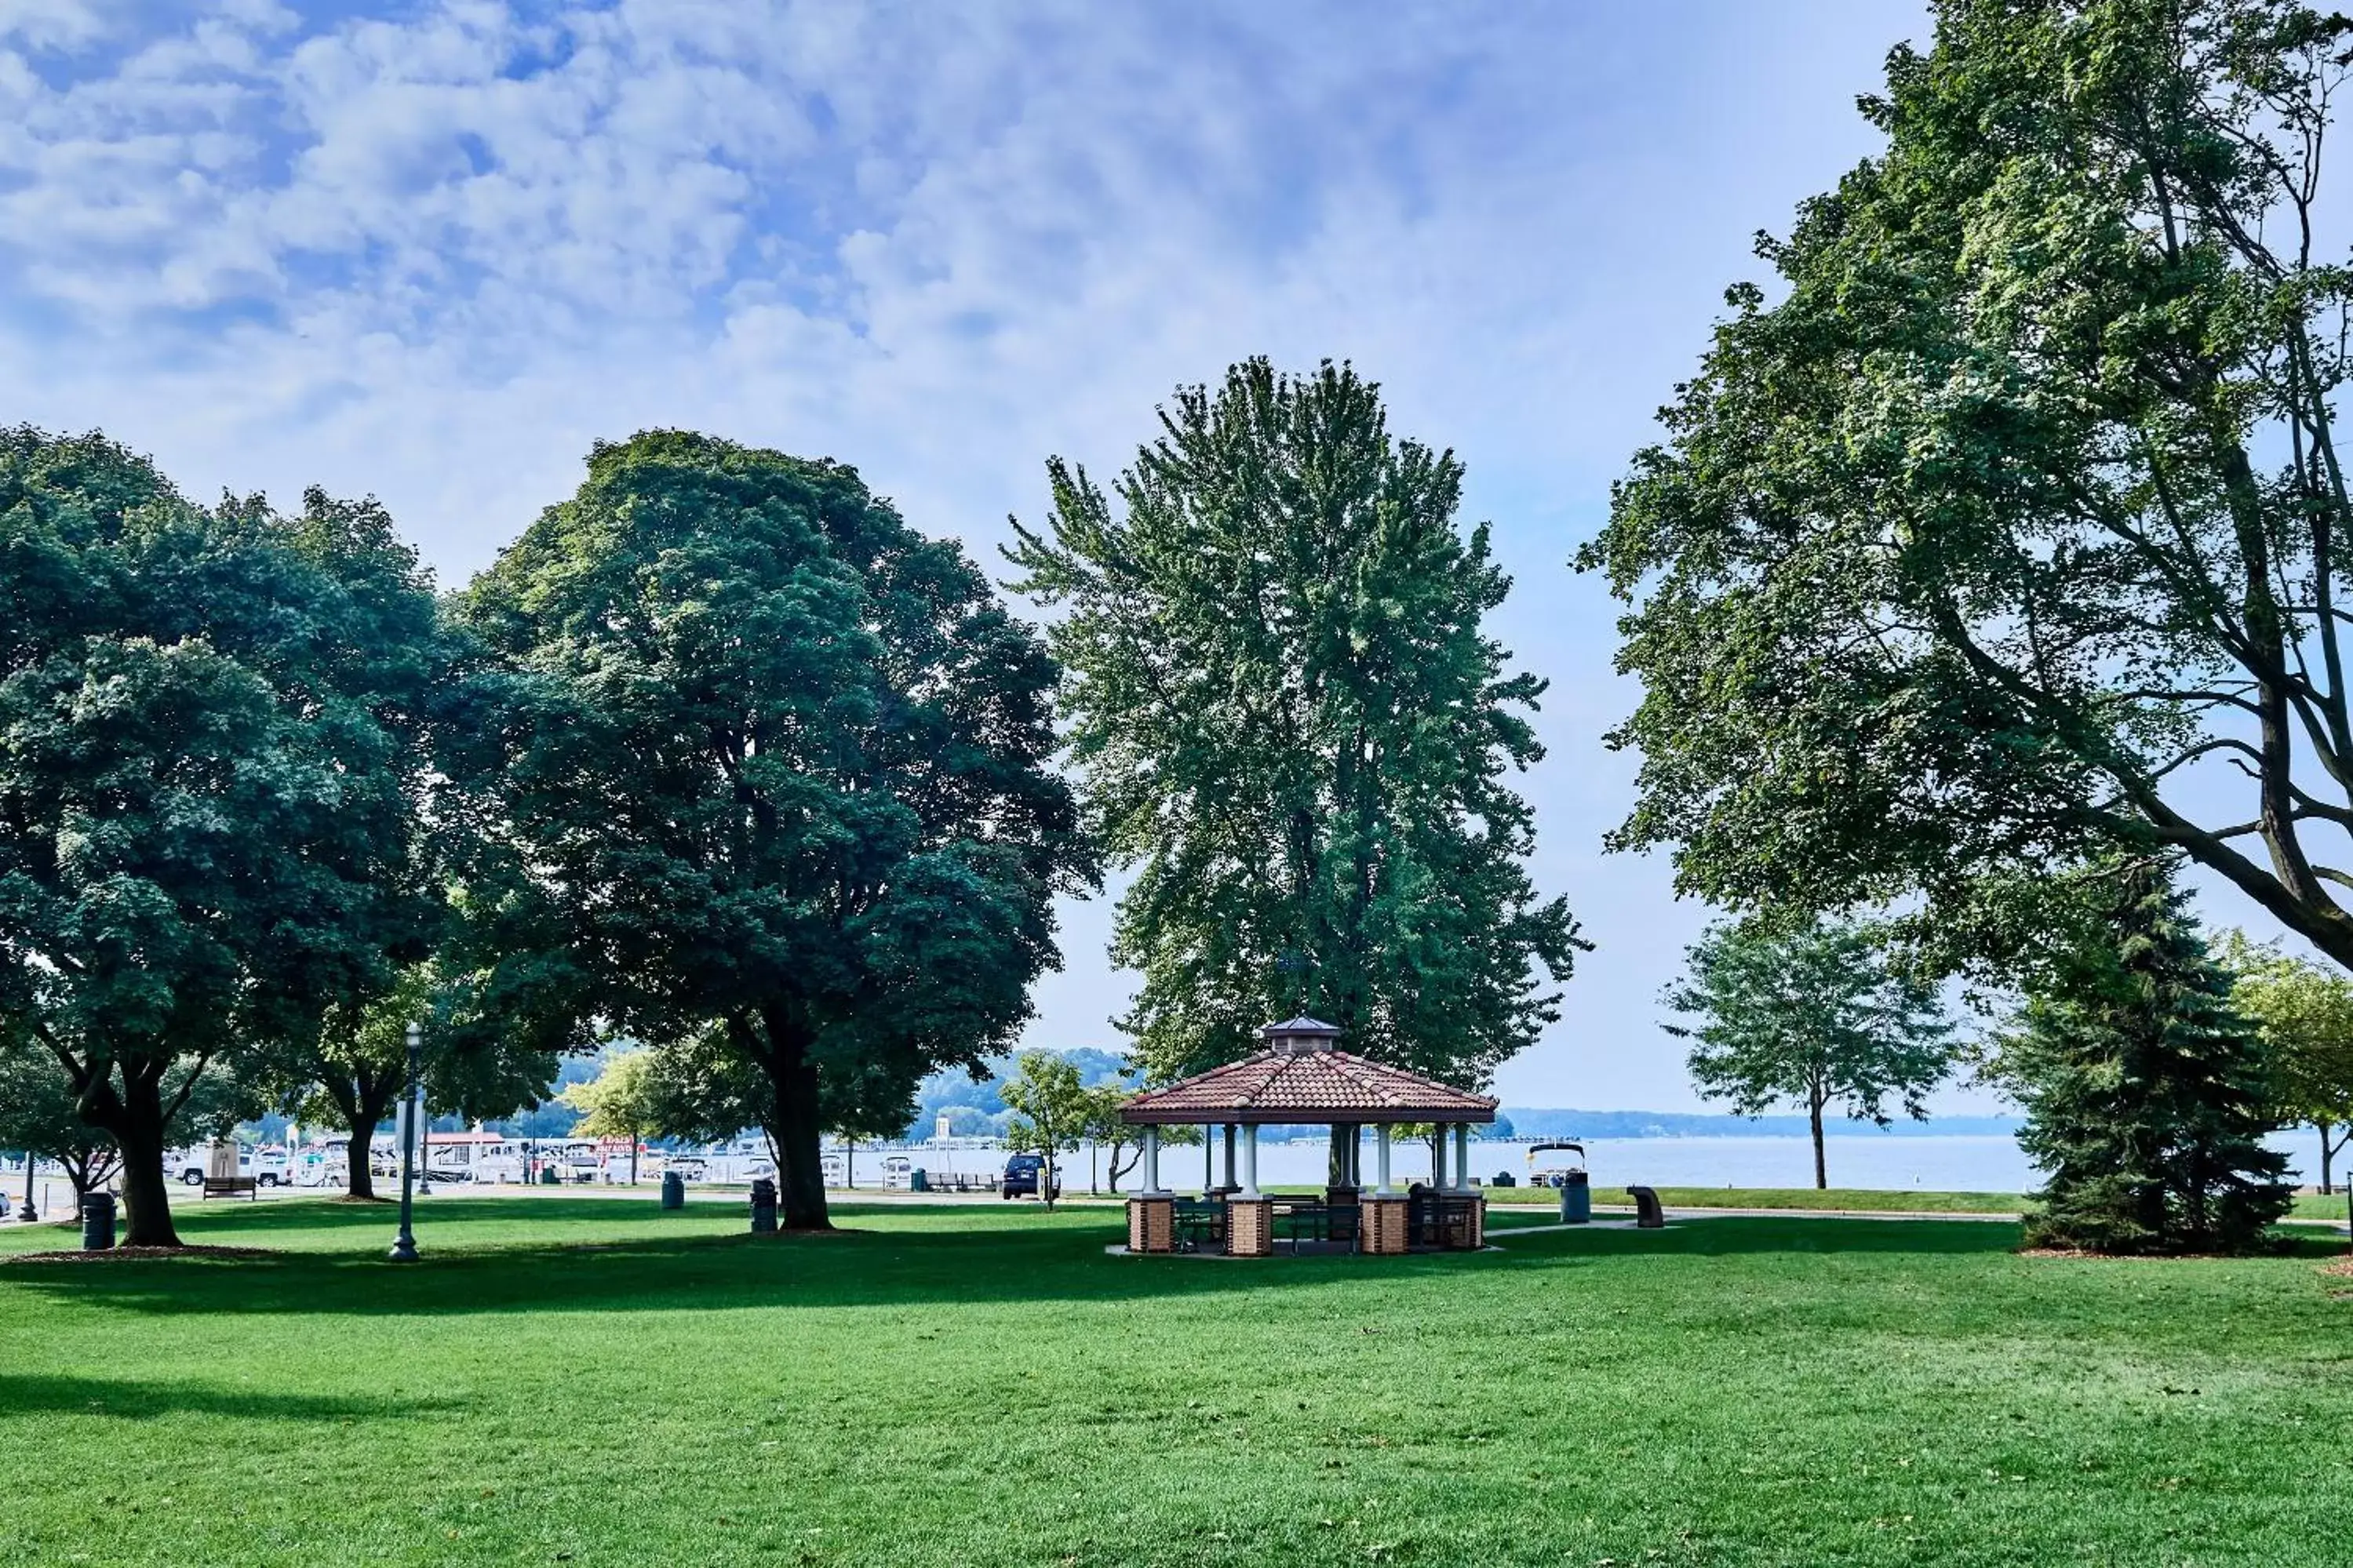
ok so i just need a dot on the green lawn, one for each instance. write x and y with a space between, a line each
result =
592 1382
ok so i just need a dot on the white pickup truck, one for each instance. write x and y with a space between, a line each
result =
267 1167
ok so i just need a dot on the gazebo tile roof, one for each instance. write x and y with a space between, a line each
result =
1301 1086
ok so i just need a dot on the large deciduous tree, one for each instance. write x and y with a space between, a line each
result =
2015 527
778 768
205 814
1290 719
2146 1094
1809 1012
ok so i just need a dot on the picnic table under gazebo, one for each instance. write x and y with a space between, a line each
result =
1303 1078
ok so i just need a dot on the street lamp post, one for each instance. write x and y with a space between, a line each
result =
424 1136
403 1245
29 1214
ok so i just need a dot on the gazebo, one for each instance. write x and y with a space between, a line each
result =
1302 1076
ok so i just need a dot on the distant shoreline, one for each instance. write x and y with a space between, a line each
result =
1549 1122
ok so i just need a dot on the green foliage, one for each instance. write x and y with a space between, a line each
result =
1809 1013
777 767
41 1112
207 824
2306 1013
622 1101
1287 715
479 1062
2147 1095
1052 1109
1964 554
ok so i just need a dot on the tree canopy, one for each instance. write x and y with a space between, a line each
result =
487 1053
1809 1012
1289 718
1052 1110
2306 1013
778 768
2013 528
206 816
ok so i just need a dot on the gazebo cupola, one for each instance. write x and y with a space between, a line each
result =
1296 1037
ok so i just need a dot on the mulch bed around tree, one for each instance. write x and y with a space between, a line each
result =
78 1255
2341 1269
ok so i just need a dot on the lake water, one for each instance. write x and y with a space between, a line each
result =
1930 1162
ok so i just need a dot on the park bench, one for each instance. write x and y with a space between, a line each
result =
230 1188
1201 1225
1332 1223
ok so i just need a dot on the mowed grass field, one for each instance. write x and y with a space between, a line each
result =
593 1382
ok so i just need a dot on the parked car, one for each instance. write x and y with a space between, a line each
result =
1023 1173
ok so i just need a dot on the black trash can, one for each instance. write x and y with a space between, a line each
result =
673 1190
764 1206
98 1222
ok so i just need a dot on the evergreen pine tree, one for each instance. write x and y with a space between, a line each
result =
2145 1092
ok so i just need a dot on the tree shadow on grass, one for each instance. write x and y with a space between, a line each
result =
632 1263
127 1401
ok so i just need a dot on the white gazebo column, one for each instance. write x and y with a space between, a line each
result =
1382 1213
1463 1155
1152 1213
1249 1214
1229 1183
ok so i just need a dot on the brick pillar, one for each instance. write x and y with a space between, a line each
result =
1383 1230
1250 1227
1479 1223
1152 1224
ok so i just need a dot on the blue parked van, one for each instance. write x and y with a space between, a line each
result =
1022 1173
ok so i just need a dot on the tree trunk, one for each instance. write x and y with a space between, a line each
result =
1814 1114
2324 1152
1339 1164
133 1114
800 1170
146 1196
363 1102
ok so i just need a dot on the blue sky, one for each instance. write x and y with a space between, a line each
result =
432 251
